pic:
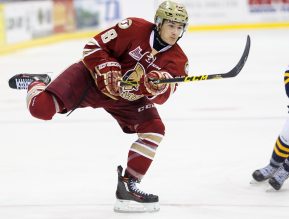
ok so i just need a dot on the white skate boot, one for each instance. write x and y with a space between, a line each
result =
279 178
264 173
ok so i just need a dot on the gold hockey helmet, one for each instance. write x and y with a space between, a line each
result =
172 11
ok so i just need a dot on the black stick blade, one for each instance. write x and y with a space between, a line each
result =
236 70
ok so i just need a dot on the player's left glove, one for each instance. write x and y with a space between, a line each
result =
149 88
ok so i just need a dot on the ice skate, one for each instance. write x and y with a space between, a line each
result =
131 199
263 174
22 81
279 178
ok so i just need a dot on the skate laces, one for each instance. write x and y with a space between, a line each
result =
281 175
268 170
132 187
23 83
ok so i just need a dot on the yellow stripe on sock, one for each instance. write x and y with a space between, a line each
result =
281 146
279 153
286 81
286 74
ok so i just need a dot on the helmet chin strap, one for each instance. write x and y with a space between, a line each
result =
181 36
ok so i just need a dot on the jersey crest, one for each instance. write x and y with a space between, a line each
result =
132 75
146 59
136 53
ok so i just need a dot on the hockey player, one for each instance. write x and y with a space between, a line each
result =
277 171
132 50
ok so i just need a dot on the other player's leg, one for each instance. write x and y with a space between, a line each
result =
280 176
280 153
282 173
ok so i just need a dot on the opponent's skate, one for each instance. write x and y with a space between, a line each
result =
131 199
264 173
22 81
279 178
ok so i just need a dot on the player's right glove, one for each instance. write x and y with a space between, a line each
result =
149 88
108 75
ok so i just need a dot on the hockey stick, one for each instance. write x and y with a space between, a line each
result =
232 73
21 81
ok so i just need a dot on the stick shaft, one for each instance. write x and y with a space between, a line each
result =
232 73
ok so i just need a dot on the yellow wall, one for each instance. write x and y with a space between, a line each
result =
2 28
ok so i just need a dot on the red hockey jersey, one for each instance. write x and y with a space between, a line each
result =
130 43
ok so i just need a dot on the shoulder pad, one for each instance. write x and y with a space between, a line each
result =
124 24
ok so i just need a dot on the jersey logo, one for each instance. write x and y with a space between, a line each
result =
147 58
132 75
124 24
136 53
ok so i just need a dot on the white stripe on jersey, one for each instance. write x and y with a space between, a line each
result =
57 108
91 42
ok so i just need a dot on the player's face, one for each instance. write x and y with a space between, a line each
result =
171 31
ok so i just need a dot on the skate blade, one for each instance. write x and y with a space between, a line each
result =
127 206
270 189
254 182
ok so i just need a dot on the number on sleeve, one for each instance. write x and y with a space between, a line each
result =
108 35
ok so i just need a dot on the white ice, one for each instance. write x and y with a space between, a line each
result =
217 133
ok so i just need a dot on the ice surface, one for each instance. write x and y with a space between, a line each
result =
217 133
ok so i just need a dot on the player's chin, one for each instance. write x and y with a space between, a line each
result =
172 41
